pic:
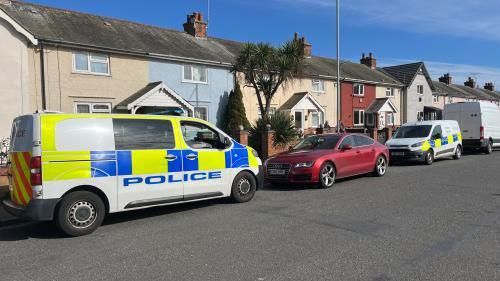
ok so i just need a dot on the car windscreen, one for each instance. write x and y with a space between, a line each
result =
409 132
318 142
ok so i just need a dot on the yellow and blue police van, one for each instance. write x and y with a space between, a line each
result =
426 141
76 168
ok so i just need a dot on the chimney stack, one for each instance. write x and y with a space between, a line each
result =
470 83
447 79
369 61
307 47
195 26
489 86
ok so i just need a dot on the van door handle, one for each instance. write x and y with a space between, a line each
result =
191 157
170 157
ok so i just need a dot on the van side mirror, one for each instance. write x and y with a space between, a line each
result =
227 142
346 147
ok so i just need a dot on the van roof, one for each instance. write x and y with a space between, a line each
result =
115 115
430 122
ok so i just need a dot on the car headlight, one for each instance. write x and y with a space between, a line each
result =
418 144
307 164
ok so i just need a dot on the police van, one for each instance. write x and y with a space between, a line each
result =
75 168
426 141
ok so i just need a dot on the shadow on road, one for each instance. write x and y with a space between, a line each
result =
22 230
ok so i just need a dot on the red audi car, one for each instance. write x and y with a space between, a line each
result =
321 159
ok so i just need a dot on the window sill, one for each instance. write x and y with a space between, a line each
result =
319 92
194 82
354 95
92 73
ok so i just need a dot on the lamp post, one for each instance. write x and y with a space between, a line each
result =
338 67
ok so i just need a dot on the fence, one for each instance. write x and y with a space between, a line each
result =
4 148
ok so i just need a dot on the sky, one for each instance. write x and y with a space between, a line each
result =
455 36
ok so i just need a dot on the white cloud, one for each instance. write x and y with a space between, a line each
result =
459 72
471 19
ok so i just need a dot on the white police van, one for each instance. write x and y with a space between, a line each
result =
426 141
75 168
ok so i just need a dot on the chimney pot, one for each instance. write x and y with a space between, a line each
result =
195 26
489 86
446 78
369 61
470 83
307 47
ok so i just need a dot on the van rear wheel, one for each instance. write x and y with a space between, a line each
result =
489 148
80 213
458 153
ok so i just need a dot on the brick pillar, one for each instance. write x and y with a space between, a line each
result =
267 143
390 130
375 134
240 136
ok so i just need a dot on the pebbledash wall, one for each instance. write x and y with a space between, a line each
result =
212 95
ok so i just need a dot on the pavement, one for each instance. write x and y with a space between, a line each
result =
439 222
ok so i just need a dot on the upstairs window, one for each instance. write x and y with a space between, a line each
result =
389 92
318 86
359 89
194 74
420 89
91 63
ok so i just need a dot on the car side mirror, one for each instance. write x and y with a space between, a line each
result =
346 147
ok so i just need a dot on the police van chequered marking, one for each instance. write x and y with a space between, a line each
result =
189 160
440 142
103 163
175 165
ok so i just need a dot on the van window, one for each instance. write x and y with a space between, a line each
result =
408 132
85 134
21 138
437 130
200 136
135 134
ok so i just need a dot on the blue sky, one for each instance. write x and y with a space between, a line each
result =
460 37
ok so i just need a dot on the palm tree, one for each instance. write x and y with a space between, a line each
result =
265 68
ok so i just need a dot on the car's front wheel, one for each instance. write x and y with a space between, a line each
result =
80 213
380 166
429 157
327 175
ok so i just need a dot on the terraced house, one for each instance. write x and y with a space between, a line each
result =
59 60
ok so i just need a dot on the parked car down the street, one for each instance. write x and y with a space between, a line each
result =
321 159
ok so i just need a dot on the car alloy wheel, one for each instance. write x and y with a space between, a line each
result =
328 175
381 166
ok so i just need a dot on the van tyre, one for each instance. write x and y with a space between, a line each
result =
80 213
429 157
243 188
380 166
458 153
327 175
489 148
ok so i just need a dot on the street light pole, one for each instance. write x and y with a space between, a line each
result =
338 66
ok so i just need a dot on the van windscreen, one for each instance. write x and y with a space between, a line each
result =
410 132
21 138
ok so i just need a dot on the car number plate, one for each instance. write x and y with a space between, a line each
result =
277 172
398 153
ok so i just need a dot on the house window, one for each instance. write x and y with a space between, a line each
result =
194 74
420 89
318 86
87 107
390 119
201 112
420 115
450 99
389 92
316 119
370 119
435 99
271 112
359 117
91 63
359 89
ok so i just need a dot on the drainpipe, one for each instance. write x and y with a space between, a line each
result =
42 77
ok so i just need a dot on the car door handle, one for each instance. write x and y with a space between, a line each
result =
170 157
191 157
358 152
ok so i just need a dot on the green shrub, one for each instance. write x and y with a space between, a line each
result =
281 124
235 114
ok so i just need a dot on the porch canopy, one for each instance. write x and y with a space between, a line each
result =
300 105
381 105
384 109
156 98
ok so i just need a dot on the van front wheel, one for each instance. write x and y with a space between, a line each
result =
243 188
429 157
80 213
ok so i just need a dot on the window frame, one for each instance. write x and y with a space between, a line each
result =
320 117
91 107
192 81
435 98
390 116
362 94
420 113
391 91
418 90
272 110
361 115
89 62
168 122
201 106
321 85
